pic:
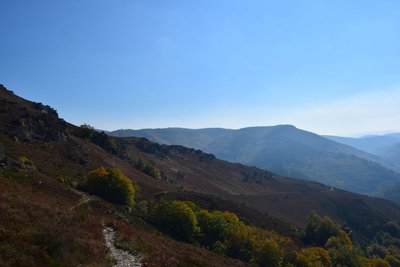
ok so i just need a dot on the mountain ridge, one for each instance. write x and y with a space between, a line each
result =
283 149
387 146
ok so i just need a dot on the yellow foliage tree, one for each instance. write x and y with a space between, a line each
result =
112 185
314 257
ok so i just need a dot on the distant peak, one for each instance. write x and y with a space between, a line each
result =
289 126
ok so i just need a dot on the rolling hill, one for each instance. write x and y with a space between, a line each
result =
285 150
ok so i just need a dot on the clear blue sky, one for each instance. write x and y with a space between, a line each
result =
330 66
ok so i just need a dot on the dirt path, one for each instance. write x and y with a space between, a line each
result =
123 258
84 198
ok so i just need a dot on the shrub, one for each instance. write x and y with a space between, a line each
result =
142 209
177 219
87 131
148 168
26 163
99 138
320 229
343 253
214 226
268 253
112 185
313 257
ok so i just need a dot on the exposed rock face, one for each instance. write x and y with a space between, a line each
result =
45 126
27 121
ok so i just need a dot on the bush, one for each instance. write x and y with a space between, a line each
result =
268 253
320 229
112 185
148 168
313 257
26 163
99 138
177 219
343 253
214 226
142 209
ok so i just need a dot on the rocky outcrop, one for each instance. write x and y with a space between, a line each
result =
44 125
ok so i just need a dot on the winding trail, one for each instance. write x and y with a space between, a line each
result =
123 258
85 198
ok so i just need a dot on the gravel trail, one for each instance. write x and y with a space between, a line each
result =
123 258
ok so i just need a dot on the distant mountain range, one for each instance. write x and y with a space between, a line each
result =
288 151
387 147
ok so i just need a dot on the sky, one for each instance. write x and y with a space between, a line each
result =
331 67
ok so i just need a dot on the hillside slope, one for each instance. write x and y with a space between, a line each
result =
285 150
371 144
386 147
391 154
46 221
45 157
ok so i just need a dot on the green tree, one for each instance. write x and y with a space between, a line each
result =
320 229
177 219
142 209
152 170
343 253
268 253
148 168
140 164
112 185
239 242
214 226
314 257
87 131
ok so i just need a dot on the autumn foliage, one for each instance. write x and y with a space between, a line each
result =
111 185
177 219
224 233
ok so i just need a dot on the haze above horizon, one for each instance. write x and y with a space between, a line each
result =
330 67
